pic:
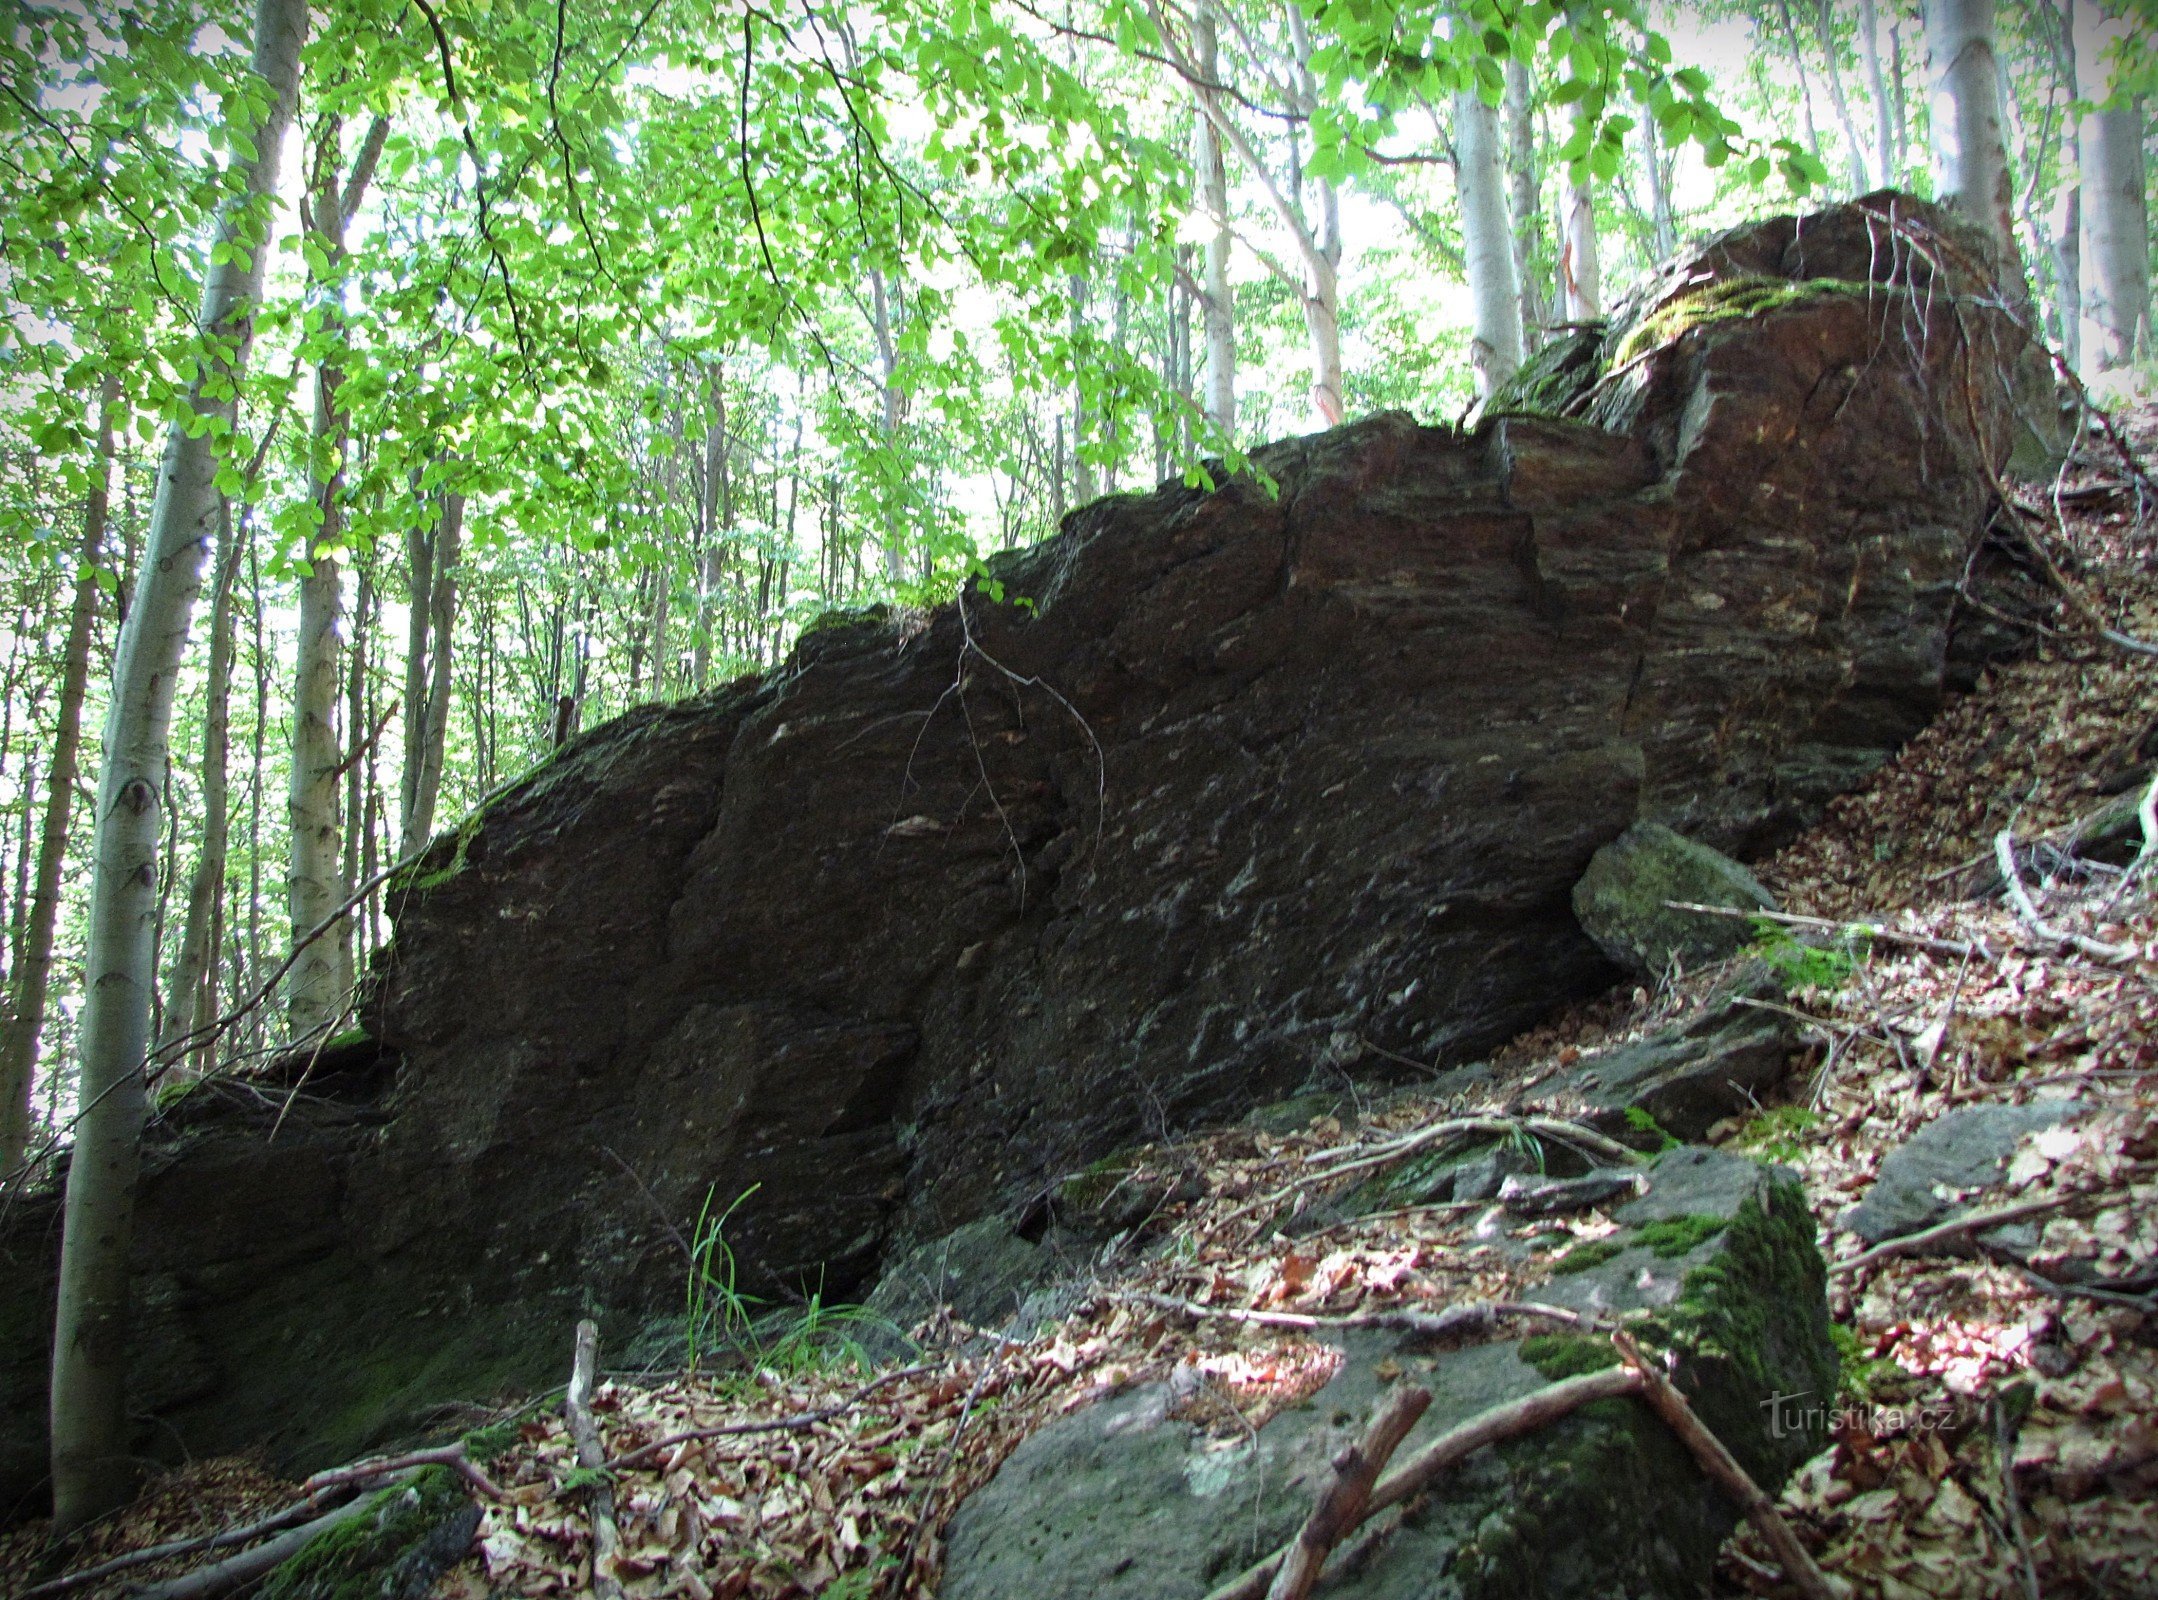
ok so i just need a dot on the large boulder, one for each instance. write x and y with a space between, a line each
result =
1628 901
1130 1500
1182 808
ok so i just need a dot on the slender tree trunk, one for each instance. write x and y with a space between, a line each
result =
1526 182
1901 96
2116 225
1969 156
881 322
33 968
91 1471
433 709
320 981
2118 234
1216 308
190 985
1488 243
1805 79
352 930
1321 247
709 552
1824 24
1884 111
1663 221
1582 272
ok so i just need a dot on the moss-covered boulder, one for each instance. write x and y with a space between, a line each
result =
1623 901
1127 1500
392 1548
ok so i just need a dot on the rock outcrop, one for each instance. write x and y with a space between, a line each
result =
1130 1500
1218 792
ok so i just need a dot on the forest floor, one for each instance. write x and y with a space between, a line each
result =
1998 1434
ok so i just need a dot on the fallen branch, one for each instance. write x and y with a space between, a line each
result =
800 1419
1509 1421
1453 1320
450 1455
1342 1501
249 1565
2004 856
1724 1471
577 1412
1973 1222
1791 919
367 1474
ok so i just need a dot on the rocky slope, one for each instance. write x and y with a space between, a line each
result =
1219 792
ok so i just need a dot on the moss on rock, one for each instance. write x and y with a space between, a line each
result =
393 1549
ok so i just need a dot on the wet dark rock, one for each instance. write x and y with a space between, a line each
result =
1622 901
1129 1500
1948 1166
1259 782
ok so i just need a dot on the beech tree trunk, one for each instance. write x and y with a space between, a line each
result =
2117 236
895 540
1488 243
1970 159
1884 113
91 1460
1579 268
1824 24
1217 310
709 554
33 968
1525 181
190 985
428 673
319 982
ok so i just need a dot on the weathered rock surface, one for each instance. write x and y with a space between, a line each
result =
1949 1165
1623 901
951 904
1128 1501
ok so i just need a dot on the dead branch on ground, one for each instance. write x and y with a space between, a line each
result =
577 1412
1341 1502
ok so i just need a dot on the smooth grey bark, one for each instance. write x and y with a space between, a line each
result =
1083 485
1320 245
1663 219
1884 116
1525 182
320 981
1487 243
1805 79
188 988
1217 309
91 1463
1970 157
428 673
2116 226
894 405
1579 268
709 553
33 967
1824 24
2116 236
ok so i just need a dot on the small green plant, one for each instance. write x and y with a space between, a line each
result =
1777 1134
1590 1254
1798 965
860 1584
712 1291
1527 1145
1641 1120
718 1314
1861 1377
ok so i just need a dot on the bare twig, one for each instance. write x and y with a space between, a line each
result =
2004 855
1534 1410
1724 1470
1954 1227
1475 1315
450 1455
577 1412
1342 1501
1872 930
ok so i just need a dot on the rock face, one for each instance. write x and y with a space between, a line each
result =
1224 785
1949 1165
1128 1501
